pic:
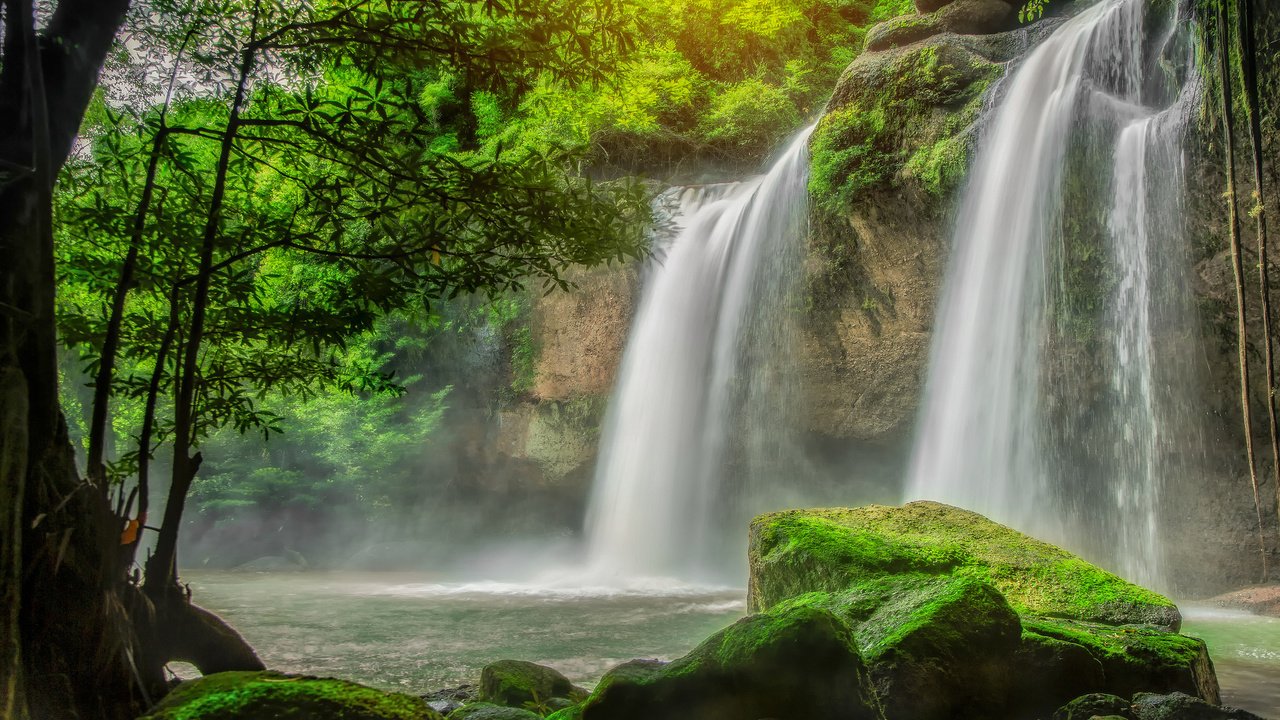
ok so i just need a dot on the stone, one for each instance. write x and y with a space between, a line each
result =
795 663
963 17
798 551
1093 705
958 616
938 647
518 683
1180 706
490 711
270 695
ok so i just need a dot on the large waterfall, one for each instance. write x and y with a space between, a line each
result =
711 305
1047 404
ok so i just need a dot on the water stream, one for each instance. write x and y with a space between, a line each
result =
658 500
1047 406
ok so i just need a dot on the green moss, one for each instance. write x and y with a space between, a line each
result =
915 615
827 550
239 695
899 115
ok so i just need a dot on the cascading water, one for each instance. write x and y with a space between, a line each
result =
1047 406
680 397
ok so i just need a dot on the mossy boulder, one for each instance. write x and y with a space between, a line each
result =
795 663
1148 706
517 683
273 696
937 646
958 616
798 551
490 711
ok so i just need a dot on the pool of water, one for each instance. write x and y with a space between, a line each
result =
416 633
1246 653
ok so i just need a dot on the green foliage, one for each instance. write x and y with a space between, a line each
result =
306 171
907 120
1032 11
725 77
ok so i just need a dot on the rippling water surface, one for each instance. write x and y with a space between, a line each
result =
1246 653
413 633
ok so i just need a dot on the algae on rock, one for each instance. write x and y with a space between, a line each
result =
248 695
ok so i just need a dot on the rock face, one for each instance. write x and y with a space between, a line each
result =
887 158
264 695
957 616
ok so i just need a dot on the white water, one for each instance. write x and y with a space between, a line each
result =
656 500
1041 411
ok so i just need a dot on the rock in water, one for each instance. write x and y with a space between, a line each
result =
960 617
516 683
270 695
796 663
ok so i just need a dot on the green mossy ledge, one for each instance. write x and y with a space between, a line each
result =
275 696
959 616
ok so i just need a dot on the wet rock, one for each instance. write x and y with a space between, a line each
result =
797 663
489 711
1093 705
1180 706
446 700
517 683
271 695
938 647
958 616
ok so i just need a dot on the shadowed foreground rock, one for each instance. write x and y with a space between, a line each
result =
923 612
270 695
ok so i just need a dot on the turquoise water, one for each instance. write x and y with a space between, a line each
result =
415 633
1246 653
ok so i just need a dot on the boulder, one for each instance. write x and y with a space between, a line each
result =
793 663
1148 706
519 684
958 616
964 17
1180 706
490 711
1093 705
271 695
798 551
937 646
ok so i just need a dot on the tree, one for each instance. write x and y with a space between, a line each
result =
343 171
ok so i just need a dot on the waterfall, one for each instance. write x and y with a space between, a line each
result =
1047 405
712 299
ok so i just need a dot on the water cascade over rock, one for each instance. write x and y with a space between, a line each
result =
1054 399
714 301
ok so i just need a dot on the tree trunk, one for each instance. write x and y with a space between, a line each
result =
1237 267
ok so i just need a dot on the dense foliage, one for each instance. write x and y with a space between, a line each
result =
334 176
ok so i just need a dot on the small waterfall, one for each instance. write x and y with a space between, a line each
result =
713 298
1047 405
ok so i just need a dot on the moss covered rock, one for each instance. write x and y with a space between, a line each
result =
937 646
958 616
274 696
798 551
793 663
517 683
